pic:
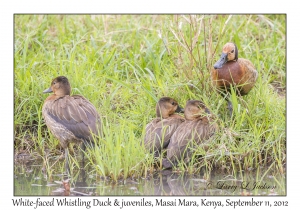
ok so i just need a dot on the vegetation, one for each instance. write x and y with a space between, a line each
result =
124 63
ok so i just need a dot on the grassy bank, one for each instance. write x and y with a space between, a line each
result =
124 63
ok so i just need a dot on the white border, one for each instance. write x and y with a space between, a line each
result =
217 6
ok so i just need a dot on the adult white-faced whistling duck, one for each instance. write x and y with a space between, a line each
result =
160 130
197 128
231 70
71 119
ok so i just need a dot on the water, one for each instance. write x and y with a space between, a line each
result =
31 180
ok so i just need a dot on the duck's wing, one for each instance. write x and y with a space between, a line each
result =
92 118
151 125
159 132
250 73
178 141
75 113
149 134
202 130
165 129
189 134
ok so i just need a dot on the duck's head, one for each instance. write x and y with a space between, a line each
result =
60 86
229 53
167 106
195 109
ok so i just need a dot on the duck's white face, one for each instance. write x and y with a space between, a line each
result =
229 53
229 49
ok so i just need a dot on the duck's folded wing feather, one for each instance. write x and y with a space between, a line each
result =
76 114
167 128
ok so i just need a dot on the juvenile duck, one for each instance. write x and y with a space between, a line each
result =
231 70
71 119
197 128
160 130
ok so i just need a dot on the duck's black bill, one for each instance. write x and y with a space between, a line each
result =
179 109
221 61
207 111
49 90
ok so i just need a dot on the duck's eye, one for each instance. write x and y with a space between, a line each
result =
232 51
173 103
201 106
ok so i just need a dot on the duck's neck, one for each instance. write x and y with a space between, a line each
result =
161 113
175 116
62 92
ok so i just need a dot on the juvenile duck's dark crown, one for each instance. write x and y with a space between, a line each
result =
62 79
164 99
196 103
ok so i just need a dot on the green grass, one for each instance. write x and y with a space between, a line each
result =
124 63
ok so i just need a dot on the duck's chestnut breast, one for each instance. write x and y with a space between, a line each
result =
230 73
